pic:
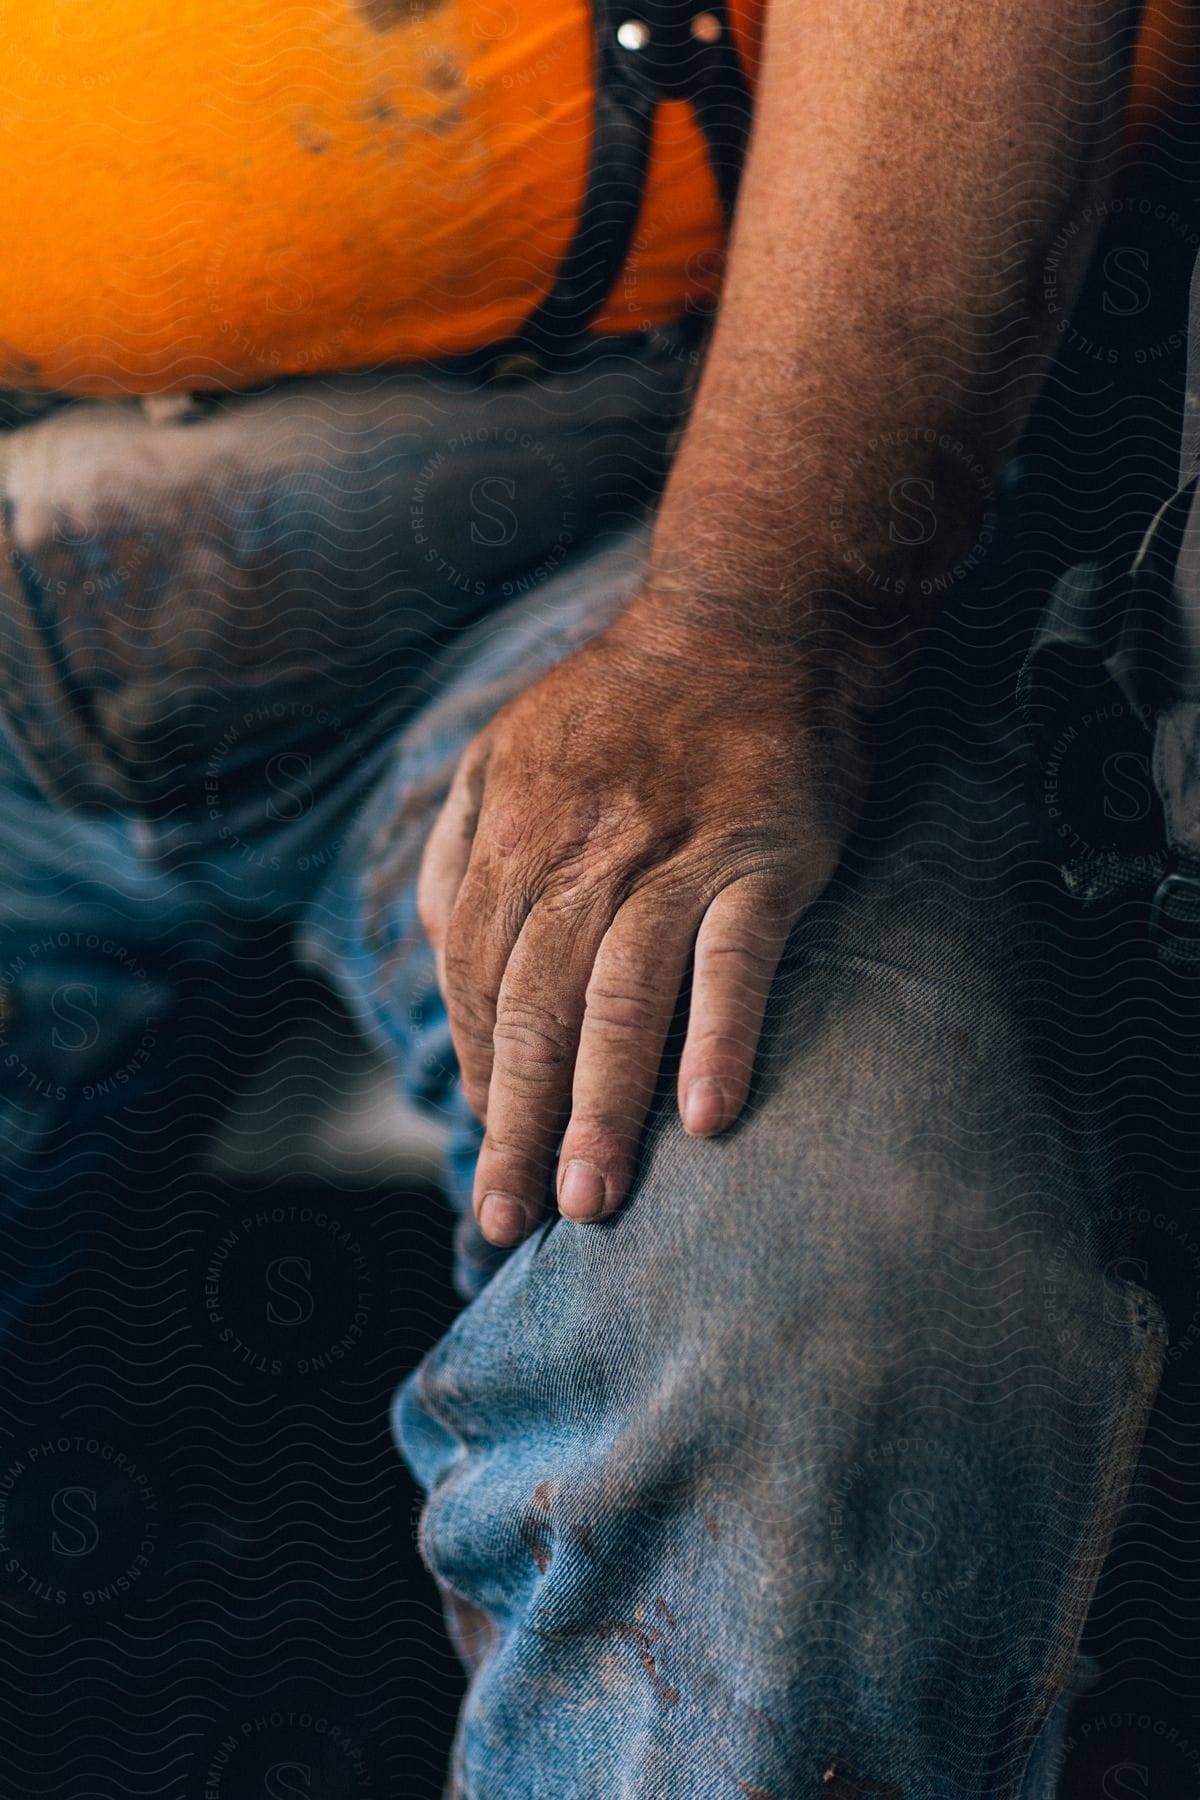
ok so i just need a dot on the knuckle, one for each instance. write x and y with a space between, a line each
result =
756 874
529 1037
568 891
623 1009
507 821
512 1162
743 948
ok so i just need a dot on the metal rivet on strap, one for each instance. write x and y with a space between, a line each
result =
632 34
706 28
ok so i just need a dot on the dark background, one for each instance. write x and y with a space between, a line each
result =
279 1601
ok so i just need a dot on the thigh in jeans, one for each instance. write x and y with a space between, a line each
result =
210 628
795 1476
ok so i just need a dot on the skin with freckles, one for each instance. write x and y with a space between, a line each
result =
684 785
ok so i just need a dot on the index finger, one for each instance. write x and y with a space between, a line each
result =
538 1014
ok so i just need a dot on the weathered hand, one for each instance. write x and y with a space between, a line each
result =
629 810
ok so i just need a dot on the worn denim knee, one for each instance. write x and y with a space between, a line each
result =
799 1470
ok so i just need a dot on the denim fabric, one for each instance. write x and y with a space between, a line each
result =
311 547
210 632
795 1476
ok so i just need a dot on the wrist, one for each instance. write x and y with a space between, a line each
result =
879 526
829 649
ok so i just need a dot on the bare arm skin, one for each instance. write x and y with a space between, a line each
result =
685 783
894 265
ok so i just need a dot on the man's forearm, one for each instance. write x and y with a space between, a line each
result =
892 293
618 830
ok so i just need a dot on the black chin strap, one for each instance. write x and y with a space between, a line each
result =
646 51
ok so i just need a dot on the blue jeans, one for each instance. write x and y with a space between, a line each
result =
801 1468
795 1477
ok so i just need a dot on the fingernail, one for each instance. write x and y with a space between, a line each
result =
703 1107
501 1218
581 1193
